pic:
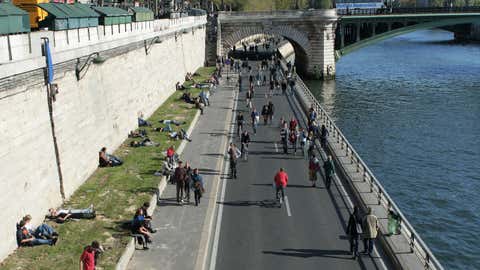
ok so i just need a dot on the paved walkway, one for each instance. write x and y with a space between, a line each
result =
181 229
308 232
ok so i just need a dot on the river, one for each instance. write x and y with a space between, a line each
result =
410 106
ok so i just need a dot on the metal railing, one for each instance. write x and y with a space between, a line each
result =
416 243
408 10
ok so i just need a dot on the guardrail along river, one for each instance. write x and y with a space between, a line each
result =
411 108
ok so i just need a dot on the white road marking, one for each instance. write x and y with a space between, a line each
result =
276 147
213 257
287 205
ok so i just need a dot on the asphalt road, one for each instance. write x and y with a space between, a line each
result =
308 233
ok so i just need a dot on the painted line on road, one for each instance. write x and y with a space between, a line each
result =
213 258
287 205
276 147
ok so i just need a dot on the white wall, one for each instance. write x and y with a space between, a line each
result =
97 111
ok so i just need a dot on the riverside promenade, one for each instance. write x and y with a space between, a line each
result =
183 231
250 231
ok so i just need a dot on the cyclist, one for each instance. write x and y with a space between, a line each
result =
240 121
329 169
281 181
245 139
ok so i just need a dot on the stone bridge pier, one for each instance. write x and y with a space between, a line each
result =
311 32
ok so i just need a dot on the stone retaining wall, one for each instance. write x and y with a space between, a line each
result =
99 110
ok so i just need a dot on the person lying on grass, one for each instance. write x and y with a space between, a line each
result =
63 215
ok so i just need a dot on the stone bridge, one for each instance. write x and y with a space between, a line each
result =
319 36
311 32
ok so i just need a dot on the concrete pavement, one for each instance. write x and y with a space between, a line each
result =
306 234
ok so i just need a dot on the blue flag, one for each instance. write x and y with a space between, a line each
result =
48 55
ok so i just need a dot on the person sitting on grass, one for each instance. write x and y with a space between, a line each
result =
89 257
106 160
171 154
43 231
188 76
199 105
143 123
138 227
148 218
26 239
179 86
187 97
63 215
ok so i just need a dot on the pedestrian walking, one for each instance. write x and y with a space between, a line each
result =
283 137
240 83
248 99
284 87
353 231
312 115
313 167
255 119
370 227
179 178
240 122
188 181
233 154
292 137
89 257
271 111
329 170
245 140
323 137
265 114
198 186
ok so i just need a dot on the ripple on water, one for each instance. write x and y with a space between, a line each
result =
410 107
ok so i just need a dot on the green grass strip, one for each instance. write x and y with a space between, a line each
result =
115 192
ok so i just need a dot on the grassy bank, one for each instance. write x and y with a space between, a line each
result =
115 192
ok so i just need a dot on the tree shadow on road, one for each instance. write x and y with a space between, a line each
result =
263 203
288 186
307 253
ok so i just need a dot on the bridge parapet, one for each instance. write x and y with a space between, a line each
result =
312 15
406 248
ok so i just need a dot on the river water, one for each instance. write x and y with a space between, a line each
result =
411 108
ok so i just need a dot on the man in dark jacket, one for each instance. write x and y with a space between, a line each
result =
353 231
179 178
329 169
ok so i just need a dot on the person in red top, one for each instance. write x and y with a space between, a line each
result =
170 154
281 181
88 260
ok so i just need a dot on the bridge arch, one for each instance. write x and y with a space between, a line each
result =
298 39
401 31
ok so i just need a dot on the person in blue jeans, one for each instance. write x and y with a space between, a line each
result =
42 231
25 238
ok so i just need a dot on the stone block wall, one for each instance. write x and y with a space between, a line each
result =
99 110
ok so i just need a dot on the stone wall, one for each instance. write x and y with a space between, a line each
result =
99 110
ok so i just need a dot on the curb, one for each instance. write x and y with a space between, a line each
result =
130 248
